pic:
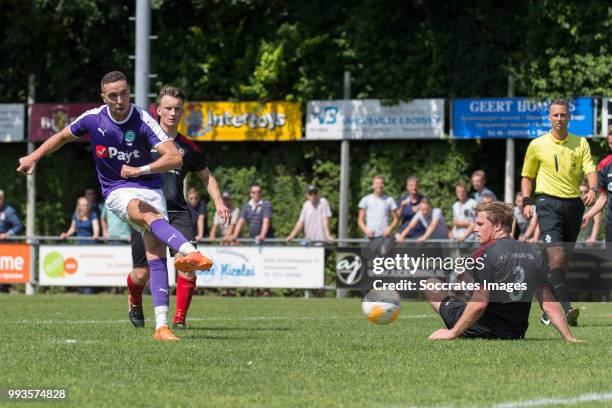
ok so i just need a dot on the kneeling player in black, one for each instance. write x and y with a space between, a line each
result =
506 264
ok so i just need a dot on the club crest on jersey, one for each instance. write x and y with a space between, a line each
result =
104 152
130 136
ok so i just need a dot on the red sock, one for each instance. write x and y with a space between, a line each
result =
135 291
184 293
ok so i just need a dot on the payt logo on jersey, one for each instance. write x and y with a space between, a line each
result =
111 152
101 151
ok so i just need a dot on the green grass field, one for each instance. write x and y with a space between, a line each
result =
292 352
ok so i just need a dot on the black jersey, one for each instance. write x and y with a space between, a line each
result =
193 160
604 182
509 264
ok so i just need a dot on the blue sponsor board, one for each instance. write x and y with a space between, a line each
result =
501 118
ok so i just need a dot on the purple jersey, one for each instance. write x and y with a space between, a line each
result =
117 143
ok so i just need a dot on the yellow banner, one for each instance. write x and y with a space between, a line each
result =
242 121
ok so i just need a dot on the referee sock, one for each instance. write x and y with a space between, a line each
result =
557 281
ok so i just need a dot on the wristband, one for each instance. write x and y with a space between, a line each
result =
145 169
594 189
528 201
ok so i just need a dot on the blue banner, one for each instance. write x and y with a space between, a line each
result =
502 118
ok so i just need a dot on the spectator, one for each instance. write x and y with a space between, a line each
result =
84 222
9 221
432 220
197 206
487 198
257 212
219 226
479 180
374 211
591 231
464 213
408 206
92 197
314 218
114 229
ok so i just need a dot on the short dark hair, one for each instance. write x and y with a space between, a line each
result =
112 77
498 213
560 101
173 91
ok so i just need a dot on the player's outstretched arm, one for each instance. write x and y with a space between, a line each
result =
27 164
549 305
474 309
210 182
599 205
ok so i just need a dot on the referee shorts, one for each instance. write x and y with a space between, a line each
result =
179 220
559 218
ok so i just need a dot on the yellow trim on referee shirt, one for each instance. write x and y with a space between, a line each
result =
558 165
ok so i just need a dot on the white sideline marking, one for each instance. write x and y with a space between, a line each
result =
596 397
202 319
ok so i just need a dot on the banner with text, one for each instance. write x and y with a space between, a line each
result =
47 119
11 122
14 263
370 119
87 265
242 121
264 267
503 118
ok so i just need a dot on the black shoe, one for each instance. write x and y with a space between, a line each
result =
545 320
179 326
136 315
572 317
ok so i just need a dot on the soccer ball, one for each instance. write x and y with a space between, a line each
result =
381 306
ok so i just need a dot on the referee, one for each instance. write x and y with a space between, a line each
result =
557 160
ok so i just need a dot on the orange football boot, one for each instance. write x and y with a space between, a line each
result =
192 262
164 334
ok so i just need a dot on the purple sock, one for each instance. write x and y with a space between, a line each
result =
167 234
159 282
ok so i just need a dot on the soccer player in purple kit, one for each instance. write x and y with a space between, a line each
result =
122 136
170 109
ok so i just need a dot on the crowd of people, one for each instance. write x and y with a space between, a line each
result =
413 213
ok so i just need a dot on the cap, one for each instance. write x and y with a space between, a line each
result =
312 189
226 194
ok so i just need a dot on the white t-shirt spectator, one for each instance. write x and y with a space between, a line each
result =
478 195
221 227
441 231
463 212
312 217
521 222
377 212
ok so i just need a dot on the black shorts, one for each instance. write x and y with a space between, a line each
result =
451 309
559 218
179 220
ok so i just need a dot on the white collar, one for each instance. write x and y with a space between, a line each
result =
129 115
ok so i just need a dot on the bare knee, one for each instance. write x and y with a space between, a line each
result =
140 275
556 257
142 213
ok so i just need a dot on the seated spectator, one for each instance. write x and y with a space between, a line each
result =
591 232
84 222
479 181
257 213
464 213
114 229
432 220
219 226
314 218
374 211
197 206
408 206
92 196
9 221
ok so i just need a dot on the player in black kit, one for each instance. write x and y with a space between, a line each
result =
512 273
169 109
